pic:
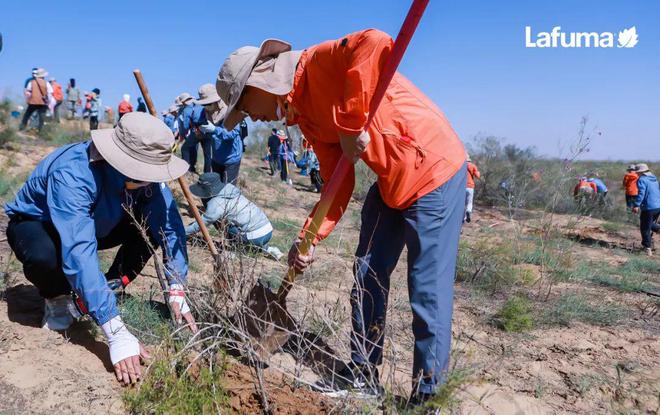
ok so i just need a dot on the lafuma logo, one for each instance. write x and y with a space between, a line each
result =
556 38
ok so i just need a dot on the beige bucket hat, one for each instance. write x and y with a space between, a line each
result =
140 147
641 168
40 73
184 98
207 95
269 67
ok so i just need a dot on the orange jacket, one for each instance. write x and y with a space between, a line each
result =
124 107
413 149
473 173
57 91
584 183
630 184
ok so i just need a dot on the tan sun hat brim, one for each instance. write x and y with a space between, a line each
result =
274 76
236 70
104 141
207 101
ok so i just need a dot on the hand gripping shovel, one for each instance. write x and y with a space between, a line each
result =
268 320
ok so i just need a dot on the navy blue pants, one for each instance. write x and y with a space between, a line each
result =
228 172
647 226
430 229
189 152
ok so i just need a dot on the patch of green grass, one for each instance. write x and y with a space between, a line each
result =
487 265
147 318
285 231
168 389
641 265
515 315
629 283
612 227
59 136
8 136
576 307
554 255
634 275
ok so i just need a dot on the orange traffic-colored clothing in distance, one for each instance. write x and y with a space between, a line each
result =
413 148
124 107
473 173
630 184
584 183
57 91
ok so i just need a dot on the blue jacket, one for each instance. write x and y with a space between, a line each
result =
95 107
600 185
227 145
189 117
83 200
169 120
648 197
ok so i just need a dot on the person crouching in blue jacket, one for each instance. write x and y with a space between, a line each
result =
227 145
77 202
247 224
647 204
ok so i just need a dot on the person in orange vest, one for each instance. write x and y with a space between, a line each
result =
58 95
37 93
418 199
124 106
584 189
630 186
472 173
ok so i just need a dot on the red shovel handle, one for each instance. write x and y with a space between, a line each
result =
331 188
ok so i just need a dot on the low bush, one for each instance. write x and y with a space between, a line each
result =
515 315
169 388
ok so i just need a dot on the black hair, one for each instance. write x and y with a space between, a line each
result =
72 82
96 91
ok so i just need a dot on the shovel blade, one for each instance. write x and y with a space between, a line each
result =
267 319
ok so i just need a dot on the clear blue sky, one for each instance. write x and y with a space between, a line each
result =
468 56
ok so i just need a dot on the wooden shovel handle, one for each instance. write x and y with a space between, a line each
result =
331 188
182 182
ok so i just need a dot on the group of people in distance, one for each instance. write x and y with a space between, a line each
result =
642 197
44 98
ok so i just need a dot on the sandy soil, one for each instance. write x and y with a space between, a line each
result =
550 370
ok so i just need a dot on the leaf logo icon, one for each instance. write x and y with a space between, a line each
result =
628 38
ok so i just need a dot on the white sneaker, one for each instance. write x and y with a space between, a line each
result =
56 313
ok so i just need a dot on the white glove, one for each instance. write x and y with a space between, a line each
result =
178 296
122 343
208 128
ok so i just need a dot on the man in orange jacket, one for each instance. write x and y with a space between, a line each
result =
417 201
472 173
630 186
